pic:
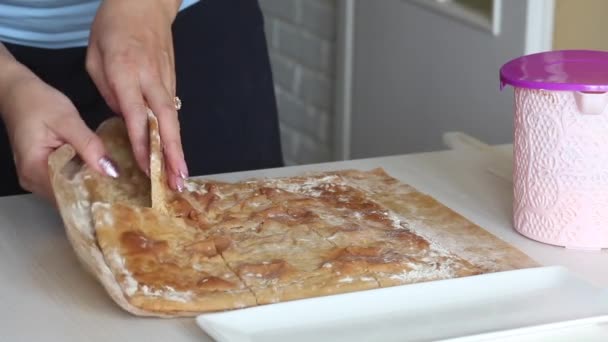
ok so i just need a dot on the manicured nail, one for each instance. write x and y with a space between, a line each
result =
179 184
183 174
108 167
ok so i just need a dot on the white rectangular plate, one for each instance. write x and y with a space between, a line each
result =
593 329
419 312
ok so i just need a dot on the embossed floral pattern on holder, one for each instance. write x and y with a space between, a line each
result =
560 170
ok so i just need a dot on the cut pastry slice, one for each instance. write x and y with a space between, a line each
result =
291 266
164 265
160 191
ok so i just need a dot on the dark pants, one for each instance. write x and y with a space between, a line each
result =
229 116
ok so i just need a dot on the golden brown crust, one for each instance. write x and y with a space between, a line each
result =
222 246
132 186
441 223
74 202
162 264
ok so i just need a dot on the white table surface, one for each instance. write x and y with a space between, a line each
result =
45 295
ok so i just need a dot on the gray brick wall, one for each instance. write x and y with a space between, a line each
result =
301 40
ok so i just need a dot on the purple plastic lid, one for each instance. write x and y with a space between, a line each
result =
575 70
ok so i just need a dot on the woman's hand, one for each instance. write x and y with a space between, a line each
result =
130 59
39 119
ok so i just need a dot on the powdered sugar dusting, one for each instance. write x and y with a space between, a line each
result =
350 279
192 186
330 218
395 220
346 280
464 247
129 284
307 187
451 244
106 218
457 236
168 293
79 213
80 210
421 272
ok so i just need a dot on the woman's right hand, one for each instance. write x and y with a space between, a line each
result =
40 119
131 61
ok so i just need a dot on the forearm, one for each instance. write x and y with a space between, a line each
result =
170 8
11 74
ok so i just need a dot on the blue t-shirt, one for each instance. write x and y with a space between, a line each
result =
51 24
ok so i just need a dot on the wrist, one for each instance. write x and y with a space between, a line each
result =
12 77
171 8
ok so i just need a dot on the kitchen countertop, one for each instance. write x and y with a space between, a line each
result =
46 295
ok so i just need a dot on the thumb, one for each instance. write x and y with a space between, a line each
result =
87 144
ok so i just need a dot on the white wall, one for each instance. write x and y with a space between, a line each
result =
418 74
301 39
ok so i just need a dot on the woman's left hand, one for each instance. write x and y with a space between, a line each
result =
130 58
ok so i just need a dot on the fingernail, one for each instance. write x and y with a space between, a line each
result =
183 174
179 184
108 167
